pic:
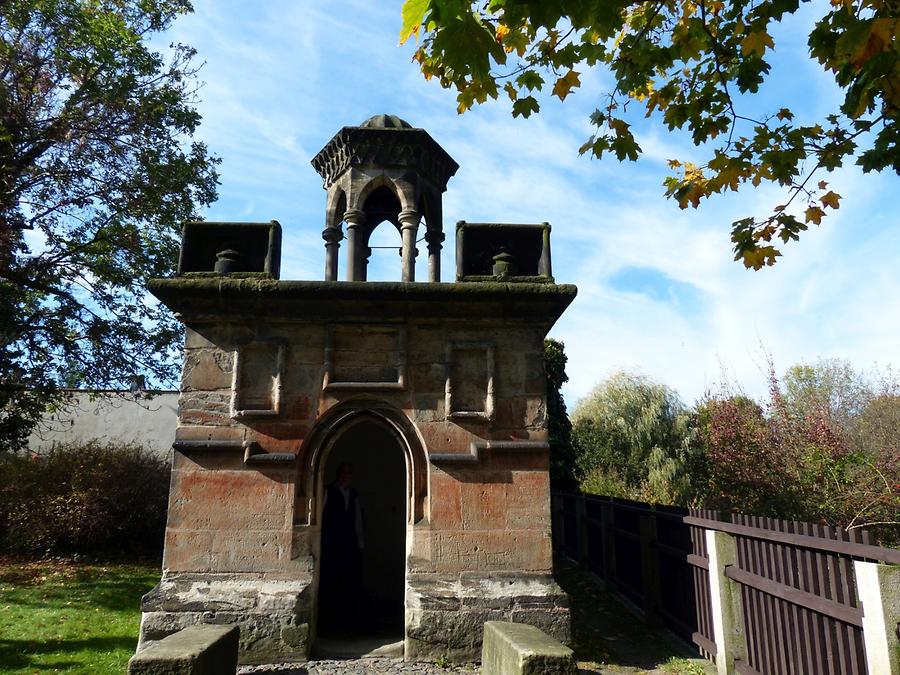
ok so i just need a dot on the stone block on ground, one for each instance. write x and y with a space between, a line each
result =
196 650
520 649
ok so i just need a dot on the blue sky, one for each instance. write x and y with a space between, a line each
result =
658 290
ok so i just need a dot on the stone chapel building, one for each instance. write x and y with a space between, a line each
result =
435 392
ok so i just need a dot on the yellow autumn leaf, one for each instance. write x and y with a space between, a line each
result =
756 43
886 29
412 14
502 31
814 215
565 84
830 198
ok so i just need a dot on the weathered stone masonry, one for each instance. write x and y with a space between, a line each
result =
275 371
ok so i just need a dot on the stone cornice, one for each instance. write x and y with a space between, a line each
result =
384 148
217 299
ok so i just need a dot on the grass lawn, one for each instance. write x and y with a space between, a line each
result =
67 617
83 619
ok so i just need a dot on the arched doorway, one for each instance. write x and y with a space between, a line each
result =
371 607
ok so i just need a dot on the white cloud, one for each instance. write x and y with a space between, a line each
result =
282 78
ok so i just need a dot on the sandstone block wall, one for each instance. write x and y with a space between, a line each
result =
266 388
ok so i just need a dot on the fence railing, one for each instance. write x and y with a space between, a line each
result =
765 595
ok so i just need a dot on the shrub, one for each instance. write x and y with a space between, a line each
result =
92 499
824 450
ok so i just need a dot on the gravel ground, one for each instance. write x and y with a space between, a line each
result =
376 666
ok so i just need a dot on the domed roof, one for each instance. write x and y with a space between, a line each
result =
386 122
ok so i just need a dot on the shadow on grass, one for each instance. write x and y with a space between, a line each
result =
104 588
17 654
605 632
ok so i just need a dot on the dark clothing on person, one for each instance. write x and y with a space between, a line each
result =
340 578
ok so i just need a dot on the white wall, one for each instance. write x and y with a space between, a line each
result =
115 417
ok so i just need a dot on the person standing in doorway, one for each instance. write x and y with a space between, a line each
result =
340 576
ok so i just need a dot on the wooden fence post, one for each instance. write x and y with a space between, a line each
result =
650 570
727 611
878 590
609 545
581 529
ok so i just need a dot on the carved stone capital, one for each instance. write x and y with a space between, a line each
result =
354 217
409 219
434 239
332 235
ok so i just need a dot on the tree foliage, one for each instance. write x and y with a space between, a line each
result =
97 171
628 428
825 448
559 428
695 65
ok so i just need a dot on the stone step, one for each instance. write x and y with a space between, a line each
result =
520 649
358 647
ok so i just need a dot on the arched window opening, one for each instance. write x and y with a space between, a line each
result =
385 244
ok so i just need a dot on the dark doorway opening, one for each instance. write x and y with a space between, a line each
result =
361 588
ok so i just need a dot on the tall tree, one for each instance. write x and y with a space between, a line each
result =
97 171
695 64
627 425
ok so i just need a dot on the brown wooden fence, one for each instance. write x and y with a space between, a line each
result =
800 610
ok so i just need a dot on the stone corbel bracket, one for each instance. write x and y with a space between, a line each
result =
473 456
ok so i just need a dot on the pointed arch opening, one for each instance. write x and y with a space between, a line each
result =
360 570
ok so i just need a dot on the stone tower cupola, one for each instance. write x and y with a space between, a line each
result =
383 170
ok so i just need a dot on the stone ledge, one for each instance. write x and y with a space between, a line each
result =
197 650
533 304
520 649
445 614
273 614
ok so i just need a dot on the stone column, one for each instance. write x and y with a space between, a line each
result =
355 220
409 226
332 237
434 238
364 256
